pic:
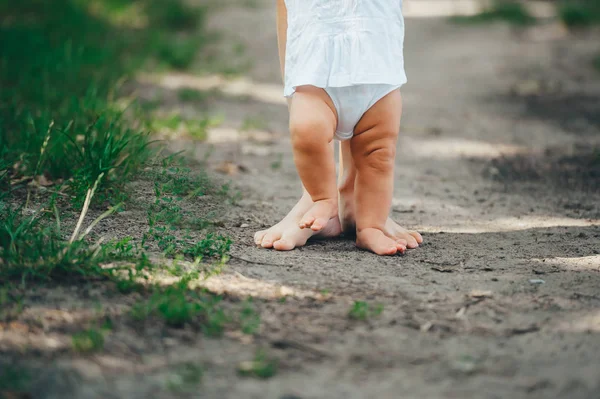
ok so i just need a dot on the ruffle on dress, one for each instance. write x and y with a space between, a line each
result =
345 52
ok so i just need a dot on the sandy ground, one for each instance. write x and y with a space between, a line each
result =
495 168
492 117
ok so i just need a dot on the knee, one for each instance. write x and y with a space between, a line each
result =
309 134
377 155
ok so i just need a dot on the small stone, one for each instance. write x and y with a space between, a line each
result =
536 281
244 225
480 294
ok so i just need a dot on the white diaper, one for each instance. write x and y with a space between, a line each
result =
352 102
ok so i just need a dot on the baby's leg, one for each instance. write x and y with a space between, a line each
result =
312 125
373 149
346 185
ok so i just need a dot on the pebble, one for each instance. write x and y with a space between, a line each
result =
536 281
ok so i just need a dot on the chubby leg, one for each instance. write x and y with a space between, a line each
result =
312 125
346 184
373 150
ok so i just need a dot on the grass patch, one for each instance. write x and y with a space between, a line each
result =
88 341
187 95
249 318
254 123
186 377
362 310
579 14
177 305
507 11
61 63
262 366
175 125
67 147
13 380
596 62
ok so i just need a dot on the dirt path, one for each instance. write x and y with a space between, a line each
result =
503 300
495 167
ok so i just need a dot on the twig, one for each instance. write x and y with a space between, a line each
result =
106 214
286 343
86 205
39 163
259 263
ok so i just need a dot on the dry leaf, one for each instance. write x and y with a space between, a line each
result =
230 168
44 181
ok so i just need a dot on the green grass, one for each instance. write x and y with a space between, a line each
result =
10 306
176 125
192 95
13 379
177 305
508 11
88 341
362 310
596 62
186 377
254 123
262 366
578 14
249 318
61 65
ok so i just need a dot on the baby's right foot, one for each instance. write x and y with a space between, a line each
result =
319 215
287 234
376 241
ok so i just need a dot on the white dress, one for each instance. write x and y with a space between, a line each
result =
341 43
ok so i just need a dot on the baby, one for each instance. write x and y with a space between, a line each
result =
342 62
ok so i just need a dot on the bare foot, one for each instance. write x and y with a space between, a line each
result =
287 234
411 239
377 241
319 215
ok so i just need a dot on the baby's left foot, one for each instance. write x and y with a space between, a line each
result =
317 217
376 241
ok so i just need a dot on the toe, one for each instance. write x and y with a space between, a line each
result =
283 245
291 239
258 236
401 241
416 236
401 246
319 224
411 242
269 239
389 250
306 222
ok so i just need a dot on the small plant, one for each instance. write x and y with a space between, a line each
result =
10 306
362 310
192 95
88 341
177 305
13 380
214 317
596 63
509 11
261 367
254 123
179 53
277 163
577 14
211 246
249 318
174 306
186 377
